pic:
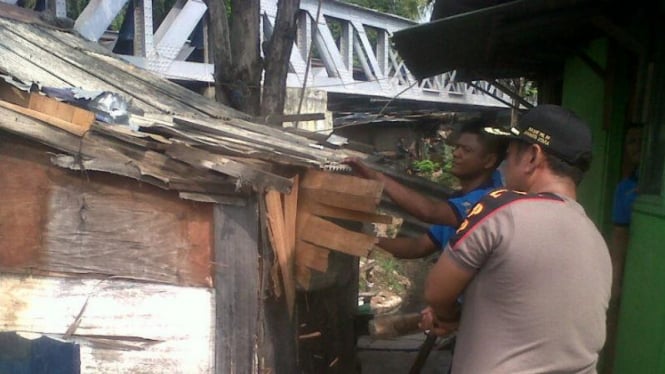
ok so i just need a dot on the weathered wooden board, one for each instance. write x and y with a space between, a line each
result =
245 173
343 191
237 286
124 327
53 220
64 111
326 234
323 210
52 121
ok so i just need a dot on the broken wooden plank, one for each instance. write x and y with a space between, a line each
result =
152 327
343 191
323 210
278 238
312 256
326 234
66 112
244 173
50 120
339 199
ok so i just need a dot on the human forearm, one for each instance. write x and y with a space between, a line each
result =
408 248
445 282
419 206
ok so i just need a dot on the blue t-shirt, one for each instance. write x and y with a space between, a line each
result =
624 196
440 234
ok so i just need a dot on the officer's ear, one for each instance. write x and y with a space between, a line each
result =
535 157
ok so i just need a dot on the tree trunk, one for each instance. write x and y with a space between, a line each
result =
277 55
221 49
245 48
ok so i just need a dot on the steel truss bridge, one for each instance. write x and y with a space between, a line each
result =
351 49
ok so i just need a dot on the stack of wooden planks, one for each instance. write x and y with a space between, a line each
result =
303 225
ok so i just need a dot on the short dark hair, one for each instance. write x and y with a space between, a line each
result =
560 167
491 143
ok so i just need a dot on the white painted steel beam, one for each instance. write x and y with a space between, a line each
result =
177 26
346 45
60 8
144 44
304 34
96 17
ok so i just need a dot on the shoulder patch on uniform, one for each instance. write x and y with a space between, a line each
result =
491 203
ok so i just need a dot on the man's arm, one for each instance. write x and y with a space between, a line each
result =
419 206
445 282
409 247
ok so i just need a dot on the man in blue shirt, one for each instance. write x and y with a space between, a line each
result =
624 196
476 156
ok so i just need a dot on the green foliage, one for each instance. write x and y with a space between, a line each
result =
405 8
426 167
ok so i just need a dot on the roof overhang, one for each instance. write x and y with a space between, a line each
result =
511 39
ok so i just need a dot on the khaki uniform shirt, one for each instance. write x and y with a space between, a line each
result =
538 299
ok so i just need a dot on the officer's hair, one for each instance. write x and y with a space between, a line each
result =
563 168
491 143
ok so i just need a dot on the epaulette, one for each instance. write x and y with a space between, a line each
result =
492 203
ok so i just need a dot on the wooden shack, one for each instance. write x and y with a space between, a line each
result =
174 242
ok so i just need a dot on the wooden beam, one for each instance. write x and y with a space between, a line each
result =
323 210
238 288
326 234
343 191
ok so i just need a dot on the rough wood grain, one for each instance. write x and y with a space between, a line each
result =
237 288
245 173
326 234
280 243
324 210
97 223
125 327
342 191
46 118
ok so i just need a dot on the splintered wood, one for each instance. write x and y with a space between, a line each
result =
302 234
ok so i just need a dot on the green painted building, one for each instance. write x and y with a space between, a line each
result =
606 61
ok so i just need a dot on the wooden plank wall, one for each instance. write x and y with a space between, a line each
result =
53 220
121 326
